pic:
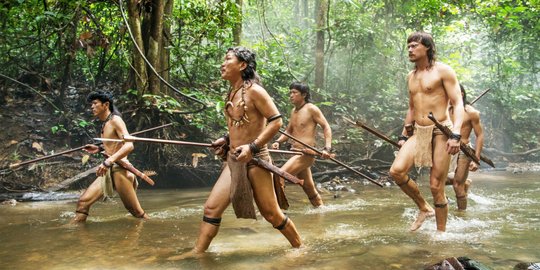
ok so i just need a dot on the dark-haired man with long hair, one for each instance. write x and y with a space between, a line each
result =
110 175
464 164
305 117
252 120
432 85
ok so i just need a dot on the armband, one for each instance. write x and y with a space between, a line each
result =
272 118
328 149
455 136
100 148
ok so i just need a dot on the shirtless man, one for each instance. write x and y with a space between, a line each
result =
252 120
303 123
432 85
471 121
110 175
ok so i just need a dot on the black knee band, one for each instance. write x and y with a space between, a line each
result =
406 182
81 212
441 205
283 224
213 221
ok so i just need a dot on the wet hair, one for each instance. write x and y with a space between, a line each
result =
103 96
464 95
303 88
427 40
249 74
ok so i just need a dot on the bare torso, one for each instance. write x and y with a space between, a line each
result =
303 126
428 94
248 131
467 125
111 132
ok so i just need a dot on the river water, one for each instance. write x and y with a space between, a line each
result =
364 229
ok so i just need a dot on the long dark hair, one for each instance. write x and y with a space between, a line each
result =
463 94
427 40
249 74
103 96
302 88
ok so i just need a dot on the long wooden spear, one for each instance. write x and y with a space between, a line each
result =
331 158
261 163
373 131
467 150
16 165
479 96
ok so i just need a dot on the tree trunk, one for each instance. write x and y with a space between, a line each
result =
237 30
139 66
321 6
71 40
154 44
165 53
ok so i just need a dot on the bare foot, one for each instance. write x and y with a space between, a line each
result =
192 254
422 215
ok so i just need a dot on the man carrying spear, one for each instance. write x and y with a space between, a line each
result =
305 117
464 164
252 121
110 174
432 85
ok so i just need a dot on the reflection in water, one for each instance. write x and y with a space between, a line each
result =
367 229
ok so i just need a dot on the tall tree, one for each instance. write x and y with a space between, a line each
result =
237 30
321 7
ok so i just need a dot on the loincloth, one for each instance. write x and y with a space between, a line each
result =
241 193
107 180
423 156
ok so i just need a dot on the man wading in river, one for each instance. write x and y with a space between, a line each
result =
461 164
431 86
305 117
252 120
110 175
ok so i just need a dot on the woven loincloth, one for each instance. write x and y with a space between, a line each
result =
107 181
423 156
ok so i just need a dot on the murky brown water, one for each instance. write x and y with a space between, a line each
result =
367 229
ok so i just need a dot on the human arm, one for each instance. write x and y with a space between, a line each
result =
319 118
409 119
451 86
282 138
479 132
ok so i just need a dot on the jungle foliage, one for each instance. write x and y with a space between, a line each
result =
64 48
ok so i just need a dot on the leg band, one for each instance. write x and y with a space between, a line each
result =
141 215
283 224
441 205
81 212
213 221
406 182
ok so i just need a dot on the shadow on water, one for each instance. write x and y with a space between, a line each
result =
365 229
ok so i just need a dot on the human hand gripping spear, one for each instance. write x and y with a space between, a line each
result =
331 158
261 163
467 150
16 165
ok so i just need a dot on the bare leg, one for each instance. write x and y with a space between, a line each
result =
403 162
91 195
214 207
439 172
123 181
300 166
265 198
462 172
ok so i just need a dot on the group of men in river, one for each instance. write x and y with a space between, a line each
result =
253 120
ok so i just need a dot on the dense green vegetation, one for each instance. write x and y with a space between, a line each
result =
64 48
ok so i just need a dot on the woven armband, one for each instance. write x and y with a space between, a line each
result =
272 118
